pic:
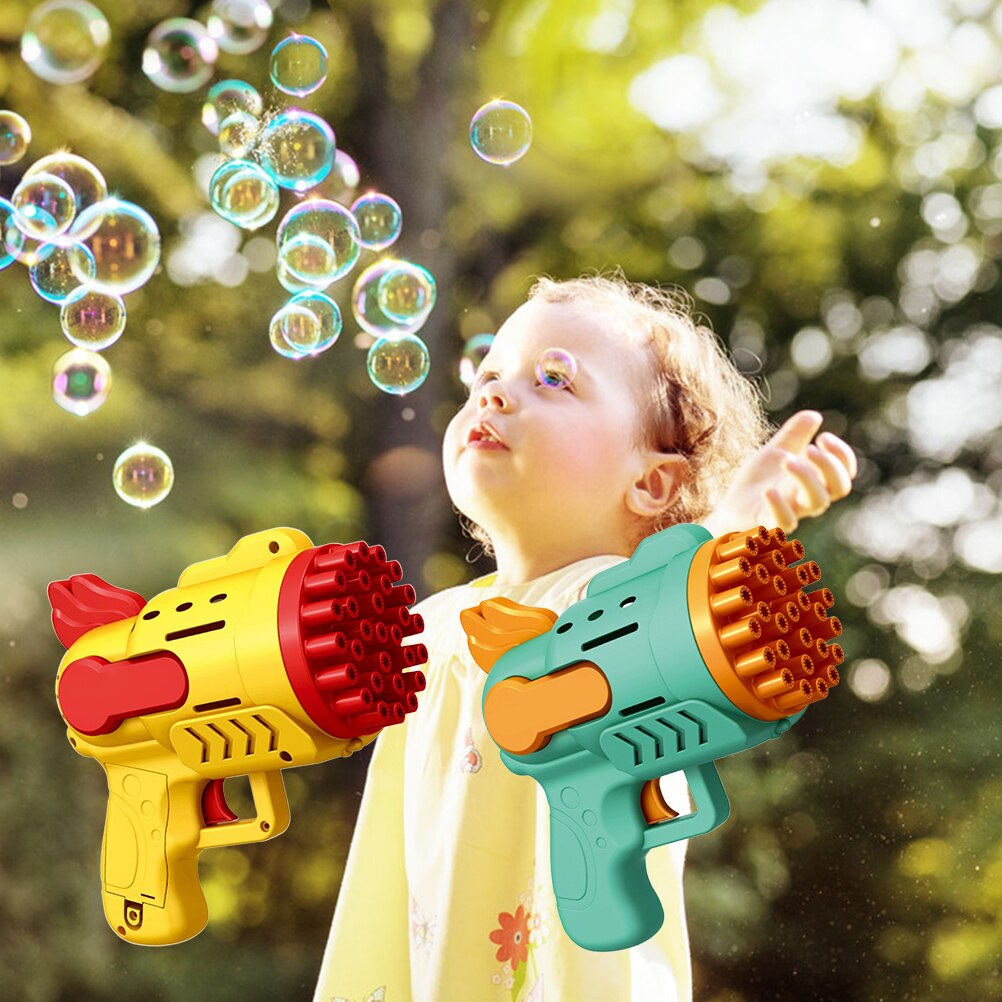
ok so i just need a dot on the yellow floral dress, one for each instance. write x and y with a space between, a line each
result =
447 894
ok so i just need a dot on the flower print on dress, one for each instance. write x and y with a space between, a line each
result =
512 937
470 759
422 929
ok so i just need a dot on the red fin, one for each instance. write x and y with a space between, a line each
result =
85 601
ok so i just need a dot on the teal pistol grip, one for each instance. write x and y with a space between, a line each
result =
667 714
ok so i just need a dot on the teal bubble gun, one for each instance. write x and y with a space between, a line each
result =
693 649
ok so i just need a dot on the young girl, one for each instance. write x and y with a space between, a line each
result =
601 414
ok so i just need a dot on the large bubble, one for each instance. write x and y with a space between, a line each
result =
81 381
398 365
180 55
124 241
64 41
60 273
44 206
143 475
240 26
297 149
91 319
226 97
501 132
15 137
244 194
326 311
85 180
408 316
379 219
318 241
298 65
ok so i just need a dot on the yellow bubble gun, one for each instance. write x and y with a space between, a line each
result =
279 654
693 649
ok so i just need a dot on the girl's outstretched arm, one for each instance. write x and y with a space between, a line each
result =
793 476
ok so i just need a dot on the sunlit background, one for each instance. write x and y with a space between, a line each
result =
823 176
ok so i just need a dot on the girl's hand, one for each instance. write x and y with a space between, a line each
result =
788 479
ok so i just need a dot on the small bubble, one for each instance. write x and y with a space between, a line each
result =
298 65
474 352
237 134
318 243
327 312
19 500
556 368
81 381
227 97
92 319
501 132
143 475
15 137
410 293
240 26
124 242
55 276
44 206
379 220
180 55
295 331
243 193
64 41
398 365
85 180
297 149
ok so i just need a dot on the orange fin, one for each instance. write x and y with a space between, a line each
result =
498 624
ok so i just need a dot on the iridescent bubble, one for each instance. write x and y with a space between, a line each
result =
244 194
297 149
13 238
226 97
556 367
44 206
15 137
290 282
340 184
379 220
240 26
85 180
180 55
295 331
54 277
328 222
124 241
143 475
64 41
398 365
365 300
298 65
81 381
237 134
406 294
91 319
310 259
16 245
474 352
500 132
326 311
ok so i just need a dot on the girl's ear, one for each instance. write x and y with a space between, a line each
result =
657 484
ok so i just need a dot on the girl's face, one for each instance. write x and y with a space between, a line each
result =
532 453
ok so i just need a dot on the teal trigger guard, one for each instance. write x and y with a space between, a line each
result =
710 809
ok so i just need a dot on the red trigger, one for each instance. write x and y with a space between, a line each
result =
215 810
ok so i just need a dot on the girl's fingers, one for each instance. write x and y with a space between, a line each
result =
841 450
783 514
796 432
811 484
835 474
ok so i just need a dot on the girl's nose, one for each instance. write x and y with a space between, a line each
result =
494 394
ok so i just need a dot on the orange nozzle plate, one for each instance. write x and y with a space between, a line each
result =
522 714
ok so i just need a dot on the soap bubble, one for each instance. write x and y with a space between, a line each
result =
556 367
54 277
143 475
298 65
500 132
328 222
398 365
180 55
340 184
237 134
124 241
15 137
379 220
474 352
295 331
406 293
297 149
310 259
85 180
81 381
92 319
226 97
244 194
44 206
16 245
240 26
326 311
365 298
290 282
64 41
